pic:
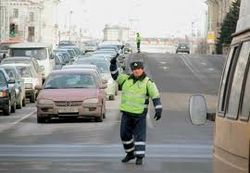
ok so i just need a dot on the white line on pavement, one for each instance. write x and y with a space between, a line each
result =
26 116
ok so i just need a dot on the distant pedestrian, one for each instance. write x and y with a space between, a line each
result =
137 89
138 42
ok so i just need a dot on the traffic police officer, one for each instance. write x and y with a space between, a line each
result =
138 42
136 88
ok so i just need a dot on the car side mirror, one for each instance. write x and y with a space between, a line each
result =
198 109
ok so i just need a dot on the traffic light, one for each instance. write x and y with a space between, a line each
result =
12 30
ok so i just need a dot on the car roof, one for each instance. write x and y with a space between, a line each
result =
82 65
22 65
30 45
76 70
7 65
20 57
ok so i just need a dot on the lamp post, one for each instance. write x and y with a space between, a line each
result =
70 15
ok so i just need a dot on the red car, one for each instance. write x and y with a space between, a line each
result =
72 93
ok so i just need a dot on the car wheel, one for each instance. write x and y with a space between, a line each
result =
33 98
104 111
41 119
20 103
13 107
99 119
8 110
24 102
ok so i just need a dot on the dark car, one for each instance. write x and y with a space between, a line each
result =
18 85
183 48
7 94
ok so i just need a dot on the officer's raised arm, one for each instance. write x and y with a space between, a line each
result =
113 67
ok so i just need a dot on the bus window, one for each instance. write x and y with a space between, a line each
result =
237 82
225 82
245 107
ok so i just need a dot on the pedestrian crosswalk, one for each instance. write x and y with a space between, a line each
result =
104 151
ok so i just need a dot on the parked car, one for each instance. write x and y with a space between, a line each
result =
59 61
183 48
23 60
82 66
7 94
31 79
18 84
41 51
83 95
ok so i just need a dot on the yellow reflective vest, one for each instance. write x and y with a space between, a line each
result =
135 94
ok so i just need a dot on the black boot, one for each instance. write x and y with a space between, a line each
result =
139 161
128 157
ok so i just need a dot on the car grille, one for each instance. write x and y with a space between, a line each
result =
68 103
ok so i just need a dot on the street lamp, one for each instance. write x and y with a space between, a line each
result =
70 15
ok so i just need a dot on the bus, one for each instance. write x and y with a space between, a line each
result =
231 146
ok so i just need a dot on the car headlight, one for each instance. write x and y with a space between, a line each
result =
3 93
45 102
92 100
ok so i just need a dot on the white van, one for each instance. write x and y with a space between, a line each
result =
231 147
41 51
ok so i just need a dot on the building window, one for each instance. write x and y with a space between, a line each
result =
237 82
226 80
31 17
15 12
245 107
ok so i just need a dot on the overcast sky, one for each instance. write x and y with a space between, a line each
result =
152 18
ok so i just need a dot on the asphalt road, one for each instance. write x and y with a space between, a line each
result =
174 145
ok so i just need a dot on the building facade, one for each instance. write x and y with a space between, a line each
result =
217 10
32 20
115 33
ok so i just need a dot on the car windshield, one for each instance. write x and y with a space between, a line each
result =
24 71
10 72
72 80
15 61
102 66
38 53
2 79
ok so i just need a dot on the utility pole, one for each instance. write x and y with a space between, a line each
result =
70 15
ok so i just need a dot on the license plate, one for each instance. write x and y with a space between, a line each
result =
67 109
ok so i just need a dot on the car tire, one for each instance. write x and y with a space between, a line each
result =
20 105
8 110
41 119
24 101
100 118
33 98
104 111
13 107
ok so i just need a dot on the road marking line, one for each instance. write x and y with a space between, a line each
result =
26 116
165 68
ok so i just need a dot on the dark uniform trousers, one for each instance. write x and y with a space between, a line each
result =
133 133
